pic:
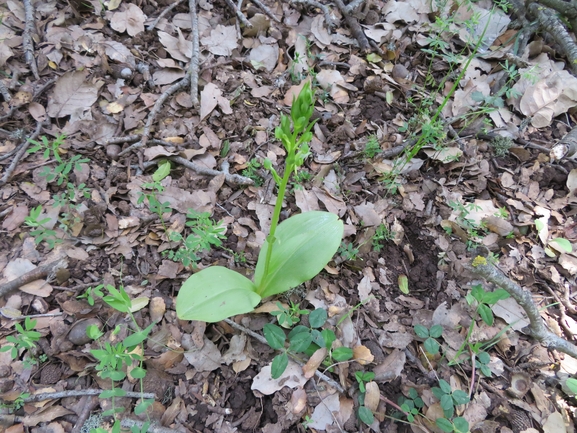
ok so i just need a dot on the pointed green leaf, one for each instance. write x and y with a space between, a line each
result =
561 244
275 336
138 337
279 365
214 294
304 244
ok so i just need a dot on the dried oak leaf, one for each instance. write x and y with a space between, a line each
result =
130 20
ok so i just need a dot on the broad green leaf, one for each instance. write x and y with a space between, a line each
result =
572 385
279 365
495 296
365 415
303 245
342 354
421 331
484 357
460 397
138 337
461 424
446 402
297 330
431 346
142 406
403 284
274 335
116 392
329 337
300 342
318 317
215 294
561 244
444 385
436 331
138 304
161 172
138 373
486 314
444 424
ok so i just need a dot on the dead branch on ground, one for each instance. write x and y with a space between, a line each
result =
163 13
20 154
536 328
35 274
81 392
27 40
195 55
155 110
354 26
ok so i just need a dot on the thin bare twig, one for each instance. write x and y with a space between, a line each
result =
236 179
27 40
354 26
331 22
238 13
10 170
536 328
5 92
90 403
79 393
195 55
266 10
33 275
156 109
163 13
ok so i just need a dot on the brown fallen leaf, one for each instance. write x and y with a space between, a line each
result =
314 362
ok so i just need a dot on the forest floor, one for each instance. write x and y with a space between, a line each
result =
433 150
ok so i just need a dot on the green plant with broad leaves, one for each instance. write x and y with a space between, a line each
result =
304 339
295 250
115 361
364 413
430 335
25 338
448 399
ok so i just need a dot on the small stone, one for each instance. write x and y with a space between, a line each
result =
77 334
112 151
399 71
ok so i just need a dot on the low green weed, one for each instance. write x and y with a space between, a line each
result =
39 232
372 148
382 234
24 340
348 251
304 339
364 413
288 317
205 235
116 360
251 171
412 405
430 335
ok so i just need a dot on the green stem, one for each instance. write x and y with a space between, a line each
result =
276 214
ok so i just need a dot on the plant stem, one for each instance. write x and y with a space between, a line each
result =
276 213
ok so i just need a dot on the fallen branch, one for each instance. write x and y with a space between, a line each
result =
266 10
163 13
82 392
235 179
195 55
331 22
27 40
155 110
536 328
549 22
355 27
33 275
10 170
238 13
5 92
260 338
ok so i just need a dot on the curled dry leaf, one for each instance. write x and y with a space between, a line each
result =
363 355
314 362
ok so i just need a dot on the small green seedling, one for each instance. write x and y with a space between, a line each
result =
372 148
482 360
431 345
25 338
288 317
251 171
458 425
364 413
348 251
295 250
411 406
303 339
154 187
382 234
91 294
41 233
449 398
484 301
